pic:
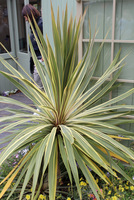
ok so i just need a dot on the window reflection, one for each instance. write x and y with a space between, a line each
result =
36 4
21 27
99 13
4 27
124 20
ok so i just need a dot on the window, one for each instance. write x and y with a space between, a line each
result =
21 26
21 22
4 27
117 17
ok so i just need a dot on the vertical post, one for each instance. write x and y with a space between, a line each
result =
113 36
113 30
78 15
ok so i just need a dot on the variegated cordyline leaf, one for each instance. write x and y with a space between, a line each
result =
70 126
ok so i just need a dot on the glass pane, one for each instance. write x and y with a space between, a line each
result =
126 49
124 20
104 60
124 87
21 27
4 27
99 13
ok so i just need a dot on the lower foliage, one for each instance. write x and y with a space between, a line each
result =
119 189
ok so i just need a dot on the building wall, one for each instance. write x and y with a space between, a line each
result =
5 84
23 58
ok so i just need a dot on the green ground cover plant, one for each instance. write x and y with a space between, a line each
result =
70 130
118 189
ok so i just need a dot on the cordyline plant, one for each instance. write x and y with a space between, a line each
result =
69 125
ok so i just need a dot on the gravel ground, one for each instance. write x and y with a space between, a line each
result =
18 96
